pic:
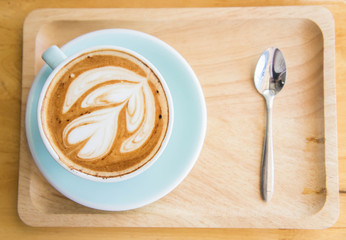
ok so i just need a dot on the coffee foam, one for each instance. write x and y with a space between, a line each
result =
110 113
93 77
98 129
135 109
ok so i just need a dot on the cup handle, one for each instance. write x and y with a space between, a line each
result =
53 56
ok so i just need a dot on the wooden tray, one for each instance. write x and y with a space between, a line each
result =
222 45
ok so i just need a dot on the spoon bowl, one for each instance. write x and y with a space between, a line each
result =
270 72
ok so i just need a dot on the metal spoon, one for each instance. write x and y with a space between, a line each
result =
270 77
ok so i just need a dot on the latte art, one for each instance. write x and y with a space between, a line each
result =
105 113
93 77
141 104
99 128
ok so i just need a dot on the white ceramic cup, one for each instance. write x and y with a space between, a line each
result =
56 59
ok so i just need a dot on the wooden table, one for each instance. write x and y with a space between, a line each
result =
12 15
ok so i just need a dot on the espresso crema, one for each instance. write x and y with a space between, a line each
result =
105 113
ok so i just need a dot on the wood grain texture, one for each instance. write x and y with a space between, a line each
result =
219 45
12 15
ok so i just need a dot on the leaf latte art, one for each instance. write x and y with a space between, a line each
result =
99 128
106 113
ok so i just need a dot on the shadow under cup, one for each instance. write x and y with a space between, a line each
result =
103 108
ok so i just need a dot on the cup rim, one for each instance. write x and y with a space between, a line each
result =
144 167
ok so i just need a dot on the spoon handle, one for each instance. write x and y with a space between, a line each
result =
267 166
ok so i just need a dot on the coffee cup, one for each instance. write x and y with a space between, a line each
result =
105 113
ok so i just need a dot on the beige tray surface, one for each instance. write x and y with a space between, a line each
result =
222 45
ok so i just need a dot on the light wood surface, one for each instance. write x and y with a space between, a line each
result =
304 126
12 16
